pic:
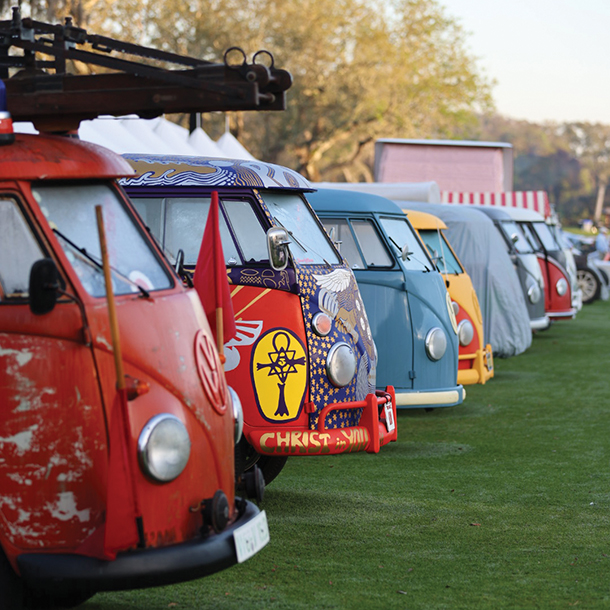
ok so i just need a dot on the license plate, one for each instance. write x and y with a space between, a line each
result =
389 417
251 537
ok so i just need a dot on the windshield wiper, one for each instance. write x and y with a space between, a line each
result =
96 263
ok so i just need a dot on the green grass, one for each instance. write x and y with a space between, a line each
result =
502 502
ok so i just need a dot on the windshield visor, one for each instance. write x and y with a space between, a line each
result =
70 211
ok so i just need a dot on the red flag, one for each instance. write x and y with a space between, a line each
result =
122 510
210 277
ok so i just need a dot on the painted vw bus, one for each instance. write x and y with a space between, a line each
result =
532 280
303 357
563 296
475 357
411 314
58 385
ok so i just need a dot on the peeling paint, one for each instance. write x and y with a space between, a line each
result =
102 341
22 440
65 508
22 356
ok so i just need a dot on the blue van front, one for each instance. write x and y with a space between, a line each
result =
407 303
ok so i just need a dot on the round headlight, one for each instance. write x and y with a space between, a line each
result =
238 414
322 324
340 364
561 286
436 343
534 293
164 447
465 332
456 308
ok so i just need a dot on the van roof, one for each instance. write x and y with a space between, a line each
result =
175 170
346 201
524 215
423 220
495 213
38 157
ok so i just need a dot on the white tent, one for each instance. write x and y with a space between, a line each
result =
231 147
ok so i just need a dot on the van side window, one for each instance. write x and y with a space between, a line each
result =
341 235
19 250
371 245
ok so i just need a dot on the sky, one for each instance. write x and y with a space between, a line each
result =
550 58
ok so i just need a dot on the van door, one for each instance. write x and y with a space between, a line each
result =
428 306
52 427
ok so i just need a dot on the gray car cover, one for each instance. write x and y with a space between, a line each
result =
479 246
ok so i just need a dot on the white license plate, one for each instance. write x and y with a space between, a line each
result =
389 417
251 537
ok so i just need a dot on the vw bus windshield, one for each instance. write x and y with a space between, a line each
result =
70 211
406 243
339 231
515 235
309 244
178 223
19 250
439 249
545 236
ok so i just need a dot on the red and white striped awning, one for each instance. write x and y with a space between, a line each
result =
531 200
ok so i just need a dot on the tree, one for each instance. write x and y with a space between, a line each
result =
590 142
362 69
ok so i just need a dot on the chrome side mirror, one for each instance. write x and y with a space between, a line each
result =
277 247
404 252
514 238
44 286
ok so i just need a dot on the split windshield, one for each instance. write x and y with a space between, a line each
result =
516 236
70 211
440 251
309 244
406 244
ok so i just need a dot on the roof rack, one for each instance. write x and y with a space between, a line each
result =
58 101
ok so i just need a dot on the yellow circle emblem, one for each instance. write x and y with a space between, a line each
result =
279 375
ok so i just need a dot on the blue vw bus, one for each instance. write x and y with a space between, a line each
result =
408 307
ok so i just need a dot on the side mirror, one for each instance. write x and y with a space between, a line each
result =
514 238
179 264
179 267
44 286
277 246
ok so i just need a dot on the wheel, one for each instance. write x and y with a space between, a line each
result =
271 466
11 587
589 284
60 601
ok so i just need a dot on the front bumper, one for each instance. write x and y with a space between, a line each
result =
482 367
540 323
376 428
426 399
55 572
567 314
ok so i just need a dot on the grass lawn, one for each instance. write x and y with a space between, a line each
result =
502 502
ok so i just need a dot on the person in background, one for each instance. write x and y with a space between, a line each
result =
601 244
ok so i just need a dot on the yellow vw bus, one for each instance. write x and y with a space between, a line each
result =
475 357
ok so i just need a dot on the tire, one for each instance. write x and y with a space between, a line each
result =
40 601
271 466
589 284
11 587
